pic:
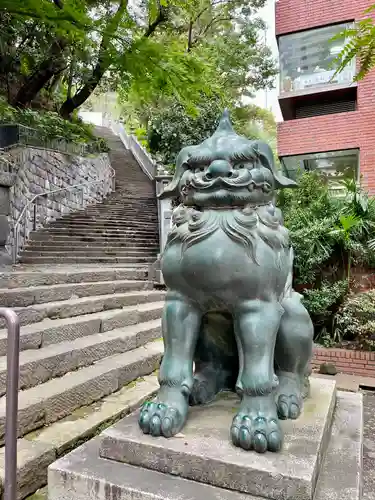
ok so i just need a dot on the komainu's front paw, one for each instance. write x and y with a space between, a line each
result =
256 426
166 416
289 396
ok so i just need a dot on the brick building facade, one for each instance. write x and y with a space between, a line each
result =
329 122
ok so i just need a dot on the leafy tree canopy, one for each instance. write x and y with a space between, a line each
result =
170 128
61 51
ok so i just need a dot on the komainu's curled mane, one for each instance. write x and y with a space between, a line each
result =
244 226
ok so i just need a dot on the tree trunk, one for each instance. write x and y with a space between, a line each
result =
102 65
82 95
70 77
42 75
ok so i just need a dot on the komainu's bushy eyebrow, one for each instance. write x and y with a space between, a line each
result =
241 154
247 154
200 160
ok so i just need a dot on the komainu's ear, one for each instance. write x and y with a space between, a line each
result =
171 190
266 158
284 182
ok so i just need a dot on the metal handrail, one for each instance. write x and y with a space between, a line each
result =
11 412
46 194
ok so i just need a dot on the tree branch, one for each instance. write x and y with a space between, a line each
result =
100 68
190 36
59 4
162 16
213 21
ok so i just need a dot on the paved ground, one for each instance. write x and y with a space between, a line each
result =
369 446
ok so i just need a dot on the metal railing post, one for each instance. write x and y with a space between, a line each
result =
34 216
11 412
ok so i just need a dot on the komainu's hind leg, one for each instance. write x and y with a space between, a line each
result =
181 325
216 359
292 356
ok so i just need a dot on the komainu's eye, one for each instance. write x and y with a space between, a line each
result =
199 169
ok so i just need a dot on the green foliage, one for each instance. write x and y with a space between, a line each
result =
309 215
355 320
322 303
50 126
171 127
361 45
329 236
170 49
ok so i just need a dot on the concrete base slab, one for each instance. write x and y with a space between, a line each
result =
83 475
204 452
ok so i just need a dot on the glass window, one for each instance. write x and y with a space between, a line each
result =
306 59
335 165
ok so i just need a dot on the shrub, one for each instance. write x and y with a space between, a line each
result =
355 320
329 235
322 303
50 126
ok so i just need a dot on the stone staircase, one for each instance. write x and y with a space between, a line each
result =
90 342
121 230
90 322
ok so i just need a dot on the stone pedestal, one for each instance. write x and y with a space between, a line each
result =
320 460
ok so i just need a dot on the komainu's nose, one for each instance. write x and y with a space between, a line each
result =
219 168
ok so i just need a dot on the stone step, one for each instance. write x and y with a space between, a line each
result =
40 365
125 200
59 397
141 208
101 226
134 209
48 276
127 245
96 249
124 203
28 256
37 450
113 240
93 252
110 217
114 221
23 297
123 261
117 216
48 332
85 305
103 231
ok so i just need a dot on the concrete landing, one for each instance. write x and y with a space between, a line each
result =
83 475
205 453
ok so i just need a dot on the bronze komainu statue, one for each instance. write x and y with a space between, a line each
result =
230 307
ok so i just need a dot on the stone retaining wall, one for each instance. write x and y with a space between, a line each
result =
346 361
35 171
